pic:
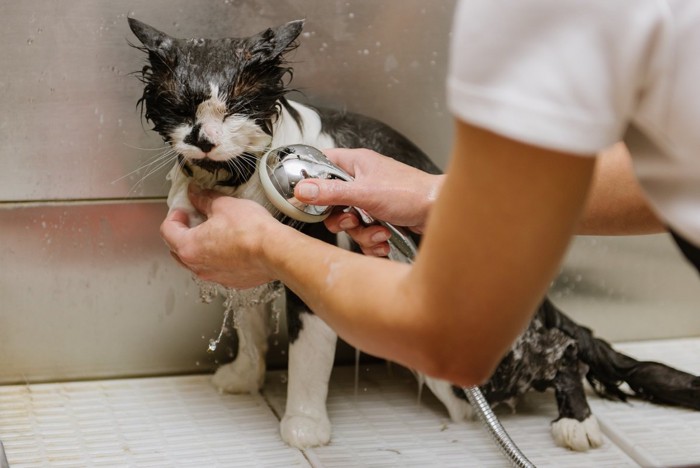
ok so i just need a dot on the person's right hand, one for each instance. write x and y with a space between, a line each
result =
387 189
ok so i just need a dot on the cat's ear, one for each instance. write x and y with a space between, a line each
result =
274 42
152 39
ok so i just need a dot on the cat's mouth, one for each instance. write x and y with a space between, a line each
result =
209 173
245 160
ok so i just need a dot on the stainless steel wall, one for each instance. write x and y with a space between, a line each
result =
86 286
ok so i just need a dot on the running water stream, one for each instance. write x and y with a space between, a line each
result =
237 302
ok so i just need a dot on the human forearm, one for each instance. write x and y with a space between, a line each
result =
494 242
368 301
616 204
492 245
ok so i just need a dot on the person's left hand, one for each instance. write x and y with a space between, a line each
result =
227 247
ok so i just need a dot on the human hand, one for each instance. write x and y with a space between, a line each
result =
387 189
226 247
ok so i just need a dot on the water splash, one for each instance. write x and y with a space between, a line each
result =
276 313
237 301
207 290
213 343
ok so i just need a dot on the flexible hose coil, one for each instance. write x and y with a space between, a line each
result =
497 431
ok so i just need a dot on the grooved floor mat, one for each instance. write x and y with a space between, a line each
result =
378 422
656 435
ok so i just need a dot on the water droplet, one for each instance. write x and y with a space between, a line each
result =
207 291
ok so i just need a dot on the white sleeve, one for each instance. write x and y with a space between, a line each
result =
564 75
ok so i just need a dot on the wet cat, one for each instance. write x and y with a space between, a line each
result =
220 104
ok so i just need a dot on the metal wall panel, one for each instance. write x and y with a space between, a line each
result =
69 128
86 286
89 290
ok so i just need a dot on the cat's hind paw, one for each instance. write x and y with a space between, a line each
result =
244 375
302 431
577 435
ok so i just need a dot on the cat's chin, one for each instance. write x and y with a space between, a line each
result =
213 166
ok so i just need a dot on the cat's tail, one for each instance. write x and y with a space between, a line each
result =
609 369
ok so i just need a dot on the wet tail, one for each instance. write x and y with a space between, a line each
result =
608 369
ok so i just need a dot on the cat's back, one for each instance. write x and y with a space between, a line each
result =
352 130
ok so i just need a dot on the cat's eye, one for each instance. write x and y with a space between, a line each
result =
185 111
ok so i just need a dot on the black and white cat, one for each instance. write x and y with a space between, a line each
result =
220 104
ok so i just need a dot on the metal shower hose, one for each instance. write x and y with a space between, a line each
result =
497 431
483 409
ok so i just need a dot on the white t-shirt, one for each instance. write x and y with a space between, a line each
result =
579 75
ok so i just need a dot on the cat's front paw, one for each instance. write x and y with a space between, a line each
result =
244 375
577 435
303 431
458 408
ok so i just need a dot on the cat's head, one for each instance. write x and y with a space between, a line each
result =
214 100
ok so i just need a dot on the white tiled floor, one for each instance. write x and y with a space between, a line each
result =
184 421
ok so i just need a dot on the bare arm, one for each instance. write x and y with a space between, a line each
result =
616 204
495 237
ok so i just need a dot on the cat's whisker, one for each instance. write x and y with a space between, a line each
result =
152 167
160 148
151 161
166 160
165 157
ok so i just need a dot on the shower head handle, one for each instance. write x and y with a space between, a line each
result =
281 169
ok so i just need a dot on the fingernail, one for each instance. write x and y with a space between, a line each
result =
308 191
348 222
380 236
381 250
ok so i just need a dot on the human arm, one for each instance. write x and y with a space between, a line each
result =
616 204
493 242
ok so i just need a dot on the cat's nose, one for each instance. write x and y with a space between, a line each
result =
204 145
199 139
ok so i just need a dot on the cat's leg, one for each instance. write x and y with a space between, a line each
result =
311 353
458 408
576 427
247 372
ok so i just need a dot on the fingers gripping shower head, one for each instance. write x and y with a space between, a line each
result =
282 168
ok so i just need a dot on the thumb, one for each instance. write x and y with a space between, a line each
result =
174 228
202 200
327 192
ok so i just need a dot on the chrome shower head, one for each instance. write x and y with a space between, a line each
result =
281 169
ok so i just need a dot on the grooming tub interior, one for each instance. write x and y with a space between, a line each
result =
103 341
